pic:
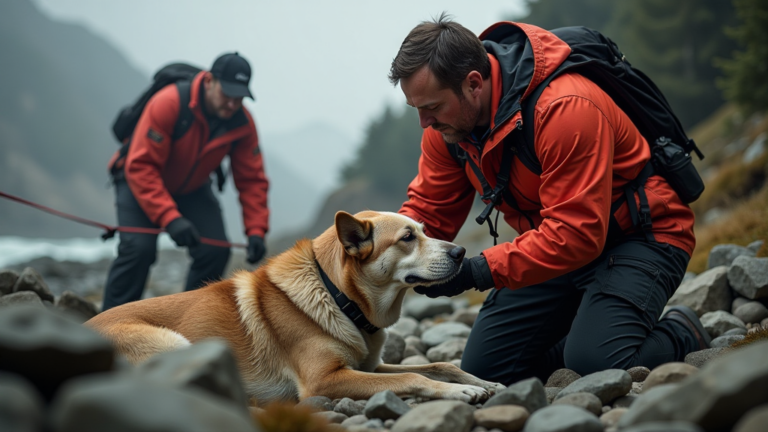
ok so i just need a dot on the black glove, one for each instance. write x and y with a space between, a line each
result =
474 273
183 232
256 249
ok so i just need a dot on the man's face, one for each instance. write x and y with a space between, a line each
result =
216 102
454 116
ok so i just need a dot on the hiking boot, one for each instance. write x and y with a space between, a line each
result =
688 318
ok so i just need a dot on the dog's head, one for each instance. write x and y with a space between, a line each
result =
386 253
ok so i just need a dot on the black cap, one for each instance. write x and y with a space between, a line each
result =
234 73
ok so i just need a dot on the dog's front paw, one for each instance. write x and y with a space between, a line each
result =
467 393
493 387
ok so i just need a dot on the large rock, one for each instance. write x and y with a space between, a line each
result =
47 347
127 403
451 349
706 292
586 401
606 385
30 280
562 378
8 279
208 365
405 326
749 277
414 346
528 393
716 397
724 254
27 298
751 312
385 405
393 348
563 418
668 373
753 421
80 307
21 408
508 418
437 416
420 307
440 333
700 358
718 322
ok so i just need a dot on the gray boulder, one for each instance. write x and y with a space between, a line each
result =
415 360
440 333
562 378
21 407
414 346
28 298
749 277
451 349
30 280
420 307
318 403
563 418
385 406
716 397
8 279
393 348
405 326
725 341
48 348
349 407
528 393
127 403
586 401
718 322
508 418
606 385
668 373
76 305
752 312
437 416
724 254
706 292
208 365
700 358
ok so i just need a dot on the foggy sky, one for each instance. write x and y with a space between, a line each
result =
313 61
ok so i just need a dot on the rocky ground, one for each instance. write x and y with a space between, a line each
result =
56 375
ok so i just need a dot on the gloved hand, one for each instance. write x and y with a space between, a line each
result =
183 232
474 273
256 249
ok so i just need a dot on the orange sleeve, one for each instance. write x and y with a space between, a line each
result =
574 143
251 182
148 154
441 195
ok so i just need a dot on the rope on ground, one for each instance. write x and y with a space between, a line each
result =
110 230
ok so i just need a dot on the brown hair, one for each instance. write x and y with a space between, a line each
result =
450 50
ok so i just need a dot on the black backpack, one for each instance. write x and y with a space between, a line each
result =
180 74
597 58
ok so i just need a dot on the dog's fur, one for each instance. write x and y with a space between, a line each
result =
288 335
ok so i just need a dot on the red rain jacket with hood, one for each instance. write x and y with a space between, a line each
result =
588 149
157 168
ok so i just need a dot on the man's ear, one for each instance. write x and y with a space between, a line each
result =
474 83
355 235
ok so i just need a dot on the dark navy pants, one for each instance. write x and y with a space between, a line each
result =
602 316
137 252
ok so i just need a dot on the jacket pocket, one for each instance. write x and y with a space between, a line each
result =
632 279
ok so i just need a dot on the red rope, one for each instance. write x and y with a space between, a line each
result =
110 230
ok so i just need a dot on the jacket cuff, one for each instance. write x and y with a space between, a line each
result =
481 272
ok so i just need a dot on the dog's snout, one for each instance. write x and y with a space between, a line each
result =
457 253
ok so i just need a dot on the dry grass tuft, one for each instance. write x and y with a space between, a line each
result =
287 417
755 334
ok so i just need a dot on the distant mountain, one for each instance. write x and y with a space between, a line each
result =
62 86
316 151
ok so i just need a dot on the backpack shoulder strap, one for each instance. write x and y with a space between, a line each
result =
185 118
457 153
526 150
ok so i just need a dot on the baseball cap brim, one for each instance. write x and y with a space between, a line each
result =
235 90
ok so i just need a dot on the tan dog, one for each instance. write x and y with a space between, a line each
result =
290 337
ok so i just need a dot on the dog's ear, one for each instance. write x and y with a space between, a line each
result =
355 235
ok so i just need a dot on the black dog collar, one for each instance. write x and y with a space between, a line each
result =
350 308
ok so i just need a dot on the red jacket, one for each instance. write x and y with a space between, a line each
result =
156 168
588 149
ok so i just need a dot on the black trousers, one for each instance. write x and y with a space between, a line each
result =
137 252
604 315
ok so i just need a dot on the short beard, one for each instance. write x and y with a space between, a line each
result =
466 122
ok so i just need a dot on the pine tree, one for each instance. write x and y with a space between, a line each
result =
746 73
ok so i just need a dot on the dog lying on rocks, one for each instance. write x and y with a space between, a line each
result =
309 322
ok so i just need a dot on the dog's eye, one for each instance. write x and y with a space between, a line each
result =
408 237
